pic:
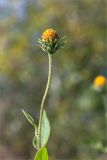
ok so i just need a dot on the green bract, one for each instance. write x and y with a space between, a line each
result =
51 46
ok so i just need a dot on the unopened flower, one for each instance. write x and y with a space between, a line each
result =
49 35
50 42
99 81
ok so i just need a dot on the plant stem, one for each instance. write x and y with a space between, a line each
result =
44 98
105 107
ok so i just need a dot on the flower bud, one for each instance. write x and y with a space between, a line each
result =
49 35
50 41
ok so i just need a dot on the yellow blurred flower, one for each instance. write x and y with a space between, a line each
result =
49 34
99 81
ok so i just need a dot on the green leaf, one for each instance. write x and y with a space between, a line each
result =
42 154
45 129
29 118
35 139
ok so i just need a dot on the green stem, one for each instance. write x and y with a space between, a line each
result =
105 107
44 98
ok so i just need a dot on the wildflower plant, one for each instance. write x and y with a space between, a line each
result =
50 42
99 84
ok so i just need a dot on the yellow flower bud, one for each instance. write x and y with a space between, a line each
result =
50 42
49 34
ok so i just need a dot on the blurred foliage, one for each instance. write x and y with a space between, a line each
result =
75 110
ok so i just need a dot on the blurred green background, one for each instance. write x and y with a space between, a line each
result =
75 110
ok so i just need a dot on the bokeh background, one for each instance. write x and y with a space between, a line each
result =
75 110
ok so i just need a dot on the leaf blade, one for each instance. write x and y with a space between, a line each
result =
35 139
42 154
45 129
29 118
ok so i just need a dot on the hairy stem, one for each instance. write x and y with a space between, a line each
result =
44 98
